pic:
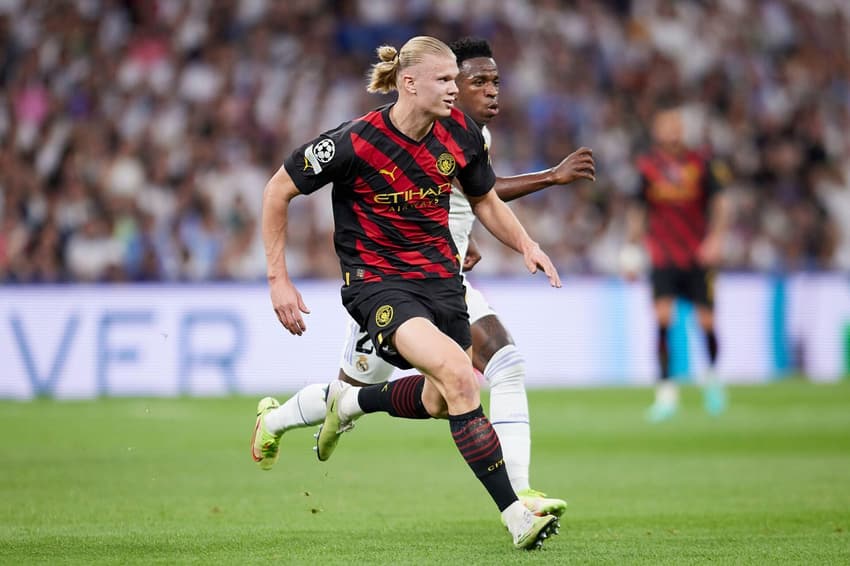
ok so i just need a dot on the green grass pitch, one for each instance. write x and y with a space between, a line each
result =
166 481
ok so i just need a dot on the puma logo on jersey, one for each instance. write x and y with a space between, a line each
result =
390 174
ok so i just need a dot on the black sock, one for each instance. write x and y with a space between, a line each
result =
478 444
663 352
400 398
711 340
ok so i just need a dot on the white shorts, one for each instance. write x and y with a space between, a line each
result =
476 304
359 359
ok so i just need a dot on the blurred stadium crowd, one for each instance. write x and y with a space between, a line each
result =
136 136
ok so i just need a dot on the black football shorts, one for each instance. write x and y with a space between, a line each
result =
381 307
695 284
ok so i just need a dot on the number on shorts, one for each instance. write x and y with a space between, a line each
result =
363 345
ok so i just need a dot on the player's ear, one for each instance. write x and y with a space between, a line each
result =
408 84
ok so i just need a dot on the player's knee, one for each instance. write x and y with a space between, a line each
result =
435 404
664 311
705 317
458 380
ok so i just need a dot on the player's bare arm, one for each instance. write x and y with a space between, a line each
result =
711 249
500 221
286 300
631 254
576 166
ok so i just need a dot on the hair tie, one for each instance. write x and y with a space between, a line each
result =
395 58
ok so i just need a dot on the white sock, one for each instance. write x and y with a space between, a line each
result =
517 518
305 408
349 404
667 393
505 373
709 378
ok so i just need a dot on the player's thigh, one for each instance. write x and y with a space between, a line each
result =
439 357
700 286
663 281
701 291
359 360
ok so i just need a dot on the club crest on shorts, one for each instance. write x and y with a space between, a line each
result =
362 364
384 316
446 164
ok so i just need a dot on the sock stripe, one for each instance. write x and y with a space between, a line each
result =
492 448
470 430
509 422
479 445
487 436
401 397
395 394
480 450
405 396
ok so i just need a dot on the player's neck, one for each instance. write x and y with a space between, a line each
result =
671 151
411 122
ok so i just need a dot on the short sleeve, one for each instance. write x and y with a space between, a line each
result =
327 159
717 176
478 177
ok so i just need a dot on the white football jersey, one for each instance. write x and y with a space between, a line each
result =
461 217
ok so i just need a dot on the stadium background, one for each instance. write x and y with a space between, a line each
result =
135 139
137 136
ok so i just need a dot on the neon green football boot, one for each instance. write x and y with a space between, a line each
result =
334 425
537 502
265 446
534 531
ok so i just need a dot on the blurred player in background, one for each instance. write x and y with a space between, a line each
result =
681 216
494 353
392 172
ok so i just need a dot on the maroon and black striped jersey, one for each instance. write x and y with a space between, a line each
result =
391 193
676 190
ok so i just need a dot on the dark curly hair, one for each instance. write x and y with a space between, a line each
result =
469 48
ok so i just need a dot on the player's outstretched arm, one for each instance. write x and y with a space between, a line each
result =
500 221
286 300
577 165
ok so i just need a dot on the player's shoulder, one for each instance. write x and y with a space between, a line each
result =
458 117
355 125
459 128
460 123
